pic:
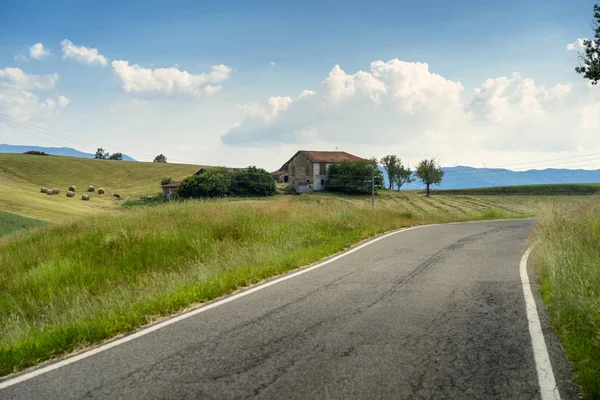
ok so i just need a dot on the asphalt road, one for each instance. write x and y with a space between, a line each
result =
435 312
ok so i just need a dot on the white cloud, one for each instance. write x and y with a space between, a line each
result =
82 54
15 78
63 101
579 45
404 104
23 105
37 51
273 64
169 81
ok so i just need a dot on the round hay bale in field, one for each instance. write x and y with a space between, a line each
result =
56 191
70 194
43 190
49 192
85 197
72 188
100 191
117 196
91 189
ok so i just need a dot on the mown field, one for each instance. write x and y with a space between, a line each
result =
567 189
567 258
22 176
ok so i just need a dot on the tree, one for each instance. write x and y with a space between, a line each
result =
430 173
353 177
215 182
116 156
404 175
253 182
591 58
160 158
101 154
391 163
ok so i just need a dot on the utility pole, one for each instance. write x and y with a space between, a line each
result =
373 188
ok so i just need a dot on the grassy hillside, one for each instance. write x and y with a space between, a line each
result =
536 190
11 223
567 258
21 177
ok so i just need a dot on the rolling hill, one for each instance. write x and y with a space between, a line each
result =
55 151
21 177
461 177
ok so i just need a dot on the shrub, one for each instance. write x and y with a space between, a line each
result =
253 182
353 177
166 180
212 183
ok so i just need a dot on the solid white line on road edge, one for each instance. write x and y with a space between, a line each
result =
547 382
202 308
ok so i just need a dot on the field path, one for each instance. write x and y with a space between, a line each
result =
433 312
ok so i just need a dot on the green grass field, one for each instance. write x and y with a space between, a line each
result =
567 258
567 189
11 223
22 176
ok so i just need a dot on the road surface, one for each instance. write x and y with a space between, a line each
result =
431 313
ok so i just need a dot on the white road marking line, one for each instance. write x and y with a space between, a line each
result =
547 382
202 308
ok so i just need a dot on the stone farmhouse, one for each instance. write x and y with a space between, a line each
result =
307 170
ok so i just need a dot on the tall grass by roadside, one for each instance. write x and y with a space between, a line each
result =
69 285
567 258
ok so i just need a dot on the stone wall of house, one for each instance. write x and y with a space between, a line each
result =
301 174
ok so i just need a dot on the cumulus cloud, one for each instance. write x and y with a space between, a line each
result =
18 100
169 81
23 105
406 104
15 78
82 54
37 51
63 101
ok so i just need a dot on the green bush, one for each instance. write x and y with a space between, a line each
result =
166 180
214 182
353 177
253 182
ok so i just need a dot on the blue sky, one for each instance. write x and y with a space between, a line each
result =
466 42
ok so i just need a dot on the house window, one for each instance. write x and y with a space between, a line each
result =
286 178
322 169
322 181
308 181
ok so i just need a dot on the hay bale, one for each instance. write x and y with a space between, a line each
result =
56 191
72 188
91 189
49 192
70 194
43 190
100 191
117 196
85 197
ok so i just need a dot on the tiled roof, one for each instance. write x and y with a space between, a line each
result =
171 185
330 156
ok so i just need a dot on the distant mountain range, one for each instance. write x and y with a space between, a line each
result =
56 151
461 177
